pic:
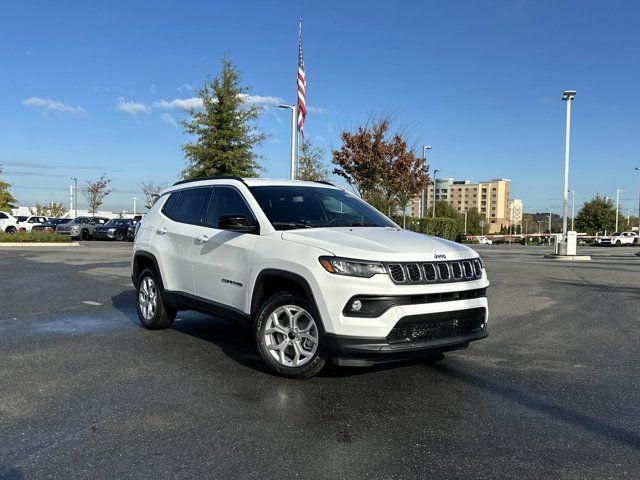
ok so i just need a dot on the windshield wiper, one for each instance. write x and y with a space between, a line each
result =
358 224
293 224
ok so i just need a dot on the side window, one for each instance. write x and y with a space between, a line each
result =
3 216
32 220
189 207
167 208
226 201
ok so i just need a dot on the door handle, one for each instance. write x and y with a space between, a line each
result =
201 238
161 231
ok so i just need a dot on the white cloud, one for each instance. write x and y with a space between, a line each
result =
260 101
185 87
152 88
317 109
53 106
166 117
131 108
185 104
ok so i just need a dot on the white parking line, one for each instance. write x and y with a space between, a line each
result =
89 302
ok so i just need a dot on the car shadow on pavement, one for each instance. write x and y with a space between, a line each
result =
233 338
555 410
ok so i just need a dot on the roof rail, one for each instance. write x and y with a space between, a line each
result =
324 182
214 177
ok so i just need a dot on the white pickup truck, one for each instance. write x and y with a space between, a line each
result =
617 239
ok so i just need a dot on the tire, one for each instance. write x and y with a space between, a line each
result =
153 313
119 236
275 316
84 235
10 230
618 243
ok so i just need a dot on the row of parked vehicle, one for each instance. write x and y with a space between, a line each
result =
83 228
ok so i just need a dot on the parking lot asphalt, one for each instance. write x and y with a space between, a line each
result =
87 393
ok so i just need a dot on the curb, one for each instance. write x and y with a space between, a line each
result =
39 244
568 258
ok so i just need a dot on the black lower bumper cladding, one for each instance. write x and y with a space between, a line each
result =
413 336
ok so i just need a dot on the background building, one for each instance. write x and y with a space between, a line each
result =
490 198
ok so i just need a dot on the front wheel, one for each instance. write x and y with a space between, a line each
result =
288 337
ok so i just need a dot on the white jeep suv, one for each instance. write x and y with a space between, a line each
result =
316 272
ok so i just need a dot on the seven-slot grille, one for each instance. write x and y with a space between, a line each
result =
409 273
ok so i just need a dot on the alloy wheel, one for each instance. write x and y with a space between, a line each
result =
148 298
291 336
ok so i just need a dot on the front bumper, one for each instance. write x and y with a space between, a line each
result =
104 235
413 336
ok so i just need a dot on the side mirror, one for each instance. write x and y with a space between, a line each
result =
237 223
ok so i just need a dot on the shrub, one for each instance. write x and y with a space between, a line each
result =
442 227
36 237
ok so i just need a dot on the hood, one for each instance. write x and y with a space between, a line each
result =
378 243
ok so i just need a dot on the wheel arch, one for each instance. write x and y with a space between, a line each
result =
271 281
141 261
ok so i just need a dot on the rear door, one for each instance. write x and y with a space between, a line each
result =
173 239
222 258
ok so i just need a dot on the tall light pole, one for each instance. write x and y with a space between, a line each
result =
539 227
568 97
74 196
618 205
573 207
433 207
638 169
550 220
465 223
135 199
424 157
293 138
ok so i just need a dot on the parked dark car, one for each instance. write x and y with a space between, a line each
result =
133 228
115 229
50 225
81 227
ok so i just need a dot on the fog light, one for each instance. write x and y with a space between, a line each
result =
356 305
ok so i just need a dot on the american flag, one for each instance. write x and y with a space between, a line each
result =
302 85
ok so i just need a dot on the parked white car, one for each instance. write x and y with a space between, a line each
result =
8 223
484 240
617 239
317 273
26 223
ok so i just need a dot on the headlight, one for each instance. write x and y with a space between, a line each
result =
112 230
74 228
352 268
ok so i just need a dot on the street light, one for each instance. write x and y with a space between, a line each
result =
638 169
573 207
465 223
74 196
135 199
293 138
424 156
433 211
549 221
568 97
617 205
539 227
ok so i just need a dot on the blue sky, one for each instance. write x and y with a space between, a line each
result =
91 87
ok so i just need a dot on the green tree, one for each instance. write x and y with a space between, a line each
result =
57 210
445 209
7 201
599 215
95 192
39 209
224 130
310 164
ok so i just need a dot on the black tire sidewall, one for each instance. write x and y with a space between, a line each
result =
163 317
307 370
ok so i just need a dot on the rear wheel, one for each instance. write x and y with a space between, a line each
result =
10 230
153 313
84 235
119 236
288 338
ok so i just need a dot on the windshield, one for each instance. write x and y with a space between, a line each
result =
81 220
20 218
311 207
116 222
